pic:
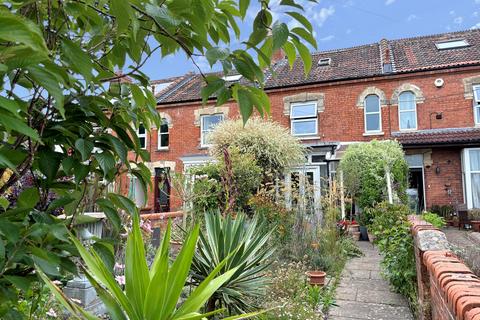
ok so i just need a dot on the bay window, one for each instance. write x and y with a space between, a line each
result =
471 171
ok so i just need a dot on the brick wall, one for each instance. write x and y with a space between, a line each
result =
343 121
443 186
447 288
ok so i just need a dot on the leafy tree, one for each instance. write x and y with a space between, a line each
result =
63 122
273 148
370 169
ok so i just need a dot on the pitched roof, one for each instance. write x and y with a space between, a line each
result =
438 136
402 55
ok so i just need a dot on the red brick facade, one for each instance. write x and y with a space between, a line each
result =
342 121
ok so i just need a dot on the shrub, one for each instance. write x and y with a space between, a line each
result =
364 167
271 145
434 219
445 211
211 191
277 218
244 243
392 235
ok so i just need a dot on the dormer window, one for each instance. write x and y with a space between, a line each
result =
324 62
232 78
452 44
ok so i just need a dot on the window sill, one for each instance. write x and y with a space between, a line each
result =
163 149
307 137
203 147
367 134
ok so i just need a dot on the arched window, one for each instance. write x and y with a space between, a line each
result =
373 115
407 111
163 135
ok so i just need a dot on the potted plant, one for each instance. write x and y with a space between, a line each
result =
474 216
316 278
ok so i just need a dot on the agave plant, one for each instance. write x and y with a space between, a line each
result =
149 294
247 244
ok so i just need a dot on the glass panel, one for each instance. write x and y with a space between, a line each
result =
304 127
318 158
304 110
373 122
142 142
141 129
209 122
474 160
414 160
476 190
476 92
164 140
372 103
164 127
408 120
406 101
477 111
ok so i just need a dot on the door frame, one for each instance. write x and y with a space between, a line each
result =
315 169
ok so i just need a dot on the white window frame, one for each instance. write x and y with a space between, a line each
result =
476 104
203 131
467 176
303 118
365 113
405 111
160 133
142 135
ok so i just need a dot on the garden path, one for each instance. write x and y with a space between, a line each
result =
364 294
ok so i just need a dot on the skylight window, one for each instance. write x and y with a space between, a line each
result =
452 44
233 78
160 86
324 62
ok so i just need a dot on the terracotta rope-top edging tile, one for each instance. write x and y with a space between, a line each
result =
453 291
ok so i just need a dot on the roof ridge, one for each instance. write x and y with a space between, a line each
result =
435 35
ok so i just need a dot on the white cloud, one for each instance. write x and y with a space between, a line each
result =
477 1
475 14
476 26
327 38
348 4
348 31
389 2
452 12
412 17
319 17
458 20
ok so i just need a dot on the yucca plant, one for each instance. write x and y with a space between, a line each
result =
246 241
149 294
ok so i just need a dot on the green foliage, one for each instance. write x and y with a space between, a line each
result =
271 145
277 218
246 243
149 293
393 238
209 184
290 293
445 211
434 219
364 167
67 114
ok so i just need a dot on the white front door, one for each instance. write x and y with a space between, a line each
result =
304 188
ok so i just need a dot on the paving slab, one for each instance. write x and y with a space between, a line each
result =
363 294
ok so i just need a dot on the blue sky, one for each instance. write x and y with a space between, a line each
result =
347 23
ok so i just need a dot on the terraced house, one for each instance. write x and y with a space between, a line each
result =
422 91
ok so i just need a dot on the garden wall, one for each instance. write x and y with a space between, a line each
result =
447 288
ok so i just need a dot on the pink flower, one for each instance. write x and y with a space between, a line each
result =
146 226
119 266
120 280
51 313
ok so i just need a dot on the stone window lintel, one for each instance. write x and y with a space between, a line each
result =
304 97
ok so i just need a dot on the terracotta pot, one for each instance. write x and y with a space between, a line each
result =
316 278
356 235
353 228
475 225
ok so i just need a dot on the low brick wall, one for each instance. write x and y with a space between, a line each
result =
447 288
